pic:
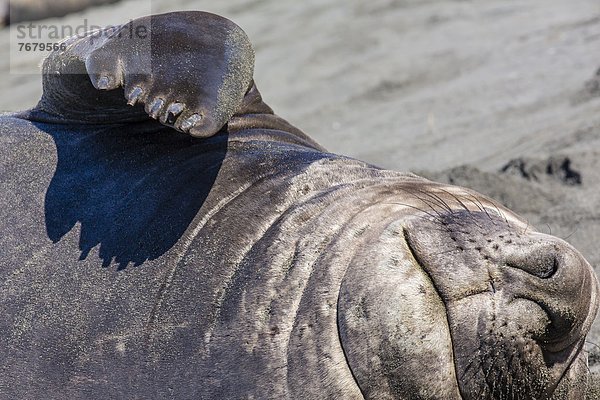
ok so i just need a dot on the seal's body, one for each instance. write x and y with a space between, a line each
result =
250 262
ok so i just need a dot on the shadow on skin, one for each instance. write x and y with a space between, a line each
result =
134 188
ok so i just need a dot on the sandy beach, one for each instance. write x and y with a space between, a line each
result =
500 96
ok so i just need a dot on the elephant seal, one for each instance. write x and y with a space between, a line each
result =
196 245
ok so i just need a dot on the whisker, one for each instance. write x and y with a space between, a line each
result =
501 214
437 200
585 364
592 343
458 200
413 207
570 234
467 209
441 201
440 216
480 205
483 208
526 227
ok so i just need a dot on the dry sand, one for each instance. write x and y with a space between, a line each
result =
453 89
28 10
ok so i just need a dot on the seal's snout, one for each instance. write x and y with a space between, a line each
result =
558 279
523 299
480 253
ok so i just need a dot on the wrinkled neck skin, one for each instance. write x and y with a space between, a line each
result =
256 118
441 282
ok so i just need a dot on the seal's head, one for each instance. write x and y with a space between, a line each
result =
492 308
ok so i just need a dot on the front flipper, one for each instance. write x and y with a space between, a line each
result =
190 70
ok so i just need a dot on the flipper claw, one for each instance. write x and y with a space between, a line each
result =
174 110
134 96
190 122
103 83
155 108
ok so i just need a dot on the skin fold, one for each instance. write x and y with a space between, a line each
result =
166 235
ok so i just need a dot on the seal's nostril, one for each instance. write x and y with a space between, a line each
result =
549 268
554 267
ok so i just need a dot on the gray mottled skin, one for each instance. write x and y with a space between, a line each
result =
139 262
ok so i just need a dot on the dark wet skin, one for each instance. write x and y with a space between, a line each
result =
265 266
150 59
